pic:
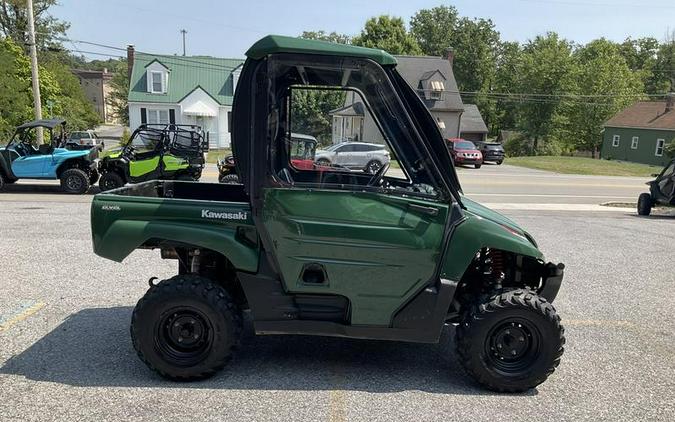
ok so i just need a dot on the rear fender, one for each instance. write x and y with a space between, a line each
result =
124 236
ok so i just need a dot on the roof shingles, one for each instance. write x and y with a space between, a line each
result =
645 115
213 75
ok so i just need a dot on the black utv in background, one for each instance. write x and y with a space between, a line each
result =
661 191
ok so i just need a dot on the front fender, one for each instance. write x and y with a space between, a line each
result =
124 236
475 233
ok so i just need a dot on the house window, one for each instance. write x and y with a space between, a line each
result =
156 117
615 140
634 142
156 82
659 147
437 88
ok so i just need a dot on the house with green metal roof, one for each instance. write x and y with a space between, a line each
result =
194 90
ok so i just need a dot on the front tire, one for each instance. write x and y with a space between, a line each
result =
322 162
74 181
512 342
499 163
373 167
644 205
110 180
2 181
477 165
186 328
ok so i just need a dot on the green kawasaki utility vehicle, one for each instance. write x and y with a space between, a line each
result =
394 255
155 152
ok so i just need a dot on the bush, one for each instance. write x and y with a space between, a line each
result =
518 146
126 137
670 148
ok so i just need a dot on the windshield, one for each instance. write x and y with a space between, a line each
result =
493 146
333 147
465 145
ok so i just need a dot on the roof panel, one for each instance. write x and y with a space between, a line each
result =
273 44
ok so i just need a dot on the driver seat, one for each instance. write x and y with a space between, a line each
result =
45 149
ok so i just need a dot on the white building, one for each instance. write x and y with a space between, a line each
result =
184 90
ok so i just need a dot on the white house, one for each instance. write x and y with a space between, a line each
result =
193 90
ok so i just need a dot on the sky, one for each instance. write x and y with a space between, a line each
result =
227 28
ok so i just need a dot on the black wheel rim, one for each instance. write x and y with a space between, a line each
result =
74 183
109 184
373 168
512 346
184 336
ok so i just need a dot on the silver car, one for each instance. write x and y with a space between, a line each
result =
355 156
84 138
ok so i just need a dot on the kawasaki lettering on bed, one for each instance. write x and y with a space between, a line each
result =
331 250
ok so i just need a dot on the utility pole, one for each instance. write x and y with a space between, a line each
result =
182 31
34 69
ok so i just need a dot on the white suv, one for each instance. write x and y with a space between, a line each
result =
355 156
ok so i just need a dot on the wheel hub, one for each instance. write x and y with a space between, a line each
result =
184 336
512 346
74 182
511 342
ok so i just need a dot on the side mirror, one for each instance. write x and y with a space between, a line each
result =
655 175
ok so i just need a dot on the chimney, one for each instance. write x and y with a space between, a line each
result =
670 101
130 59
450 55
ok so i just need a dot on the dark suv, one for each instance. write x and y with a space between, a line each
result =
491 151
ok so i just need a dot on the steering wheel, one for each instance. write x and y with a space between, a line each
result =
378 176
20 149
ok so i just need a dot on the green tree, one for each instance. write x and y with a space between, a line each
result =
310 112
389 34
605 85
119 92
665 63
641 57
506 80
433 29
14 22
546 72
325 36
16 95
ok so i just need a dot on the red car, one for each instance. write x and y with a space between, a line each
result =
465 152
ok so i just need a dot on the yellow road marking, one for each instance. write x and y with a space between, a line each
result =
21 316
337 406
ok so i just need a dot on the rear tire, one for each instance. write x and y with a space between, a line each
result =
110 180
75 181
229 179
644 205
186 328
512 342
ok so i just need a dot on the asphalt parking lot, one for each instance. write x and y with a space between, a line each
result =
66 352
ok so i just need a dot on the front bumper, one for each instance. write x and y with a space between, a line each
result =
551 280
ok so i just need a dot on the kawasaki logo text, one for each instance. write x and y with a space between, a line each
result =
224 215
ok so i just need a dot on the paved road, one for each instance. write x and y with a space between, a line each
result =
66 352
503 187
